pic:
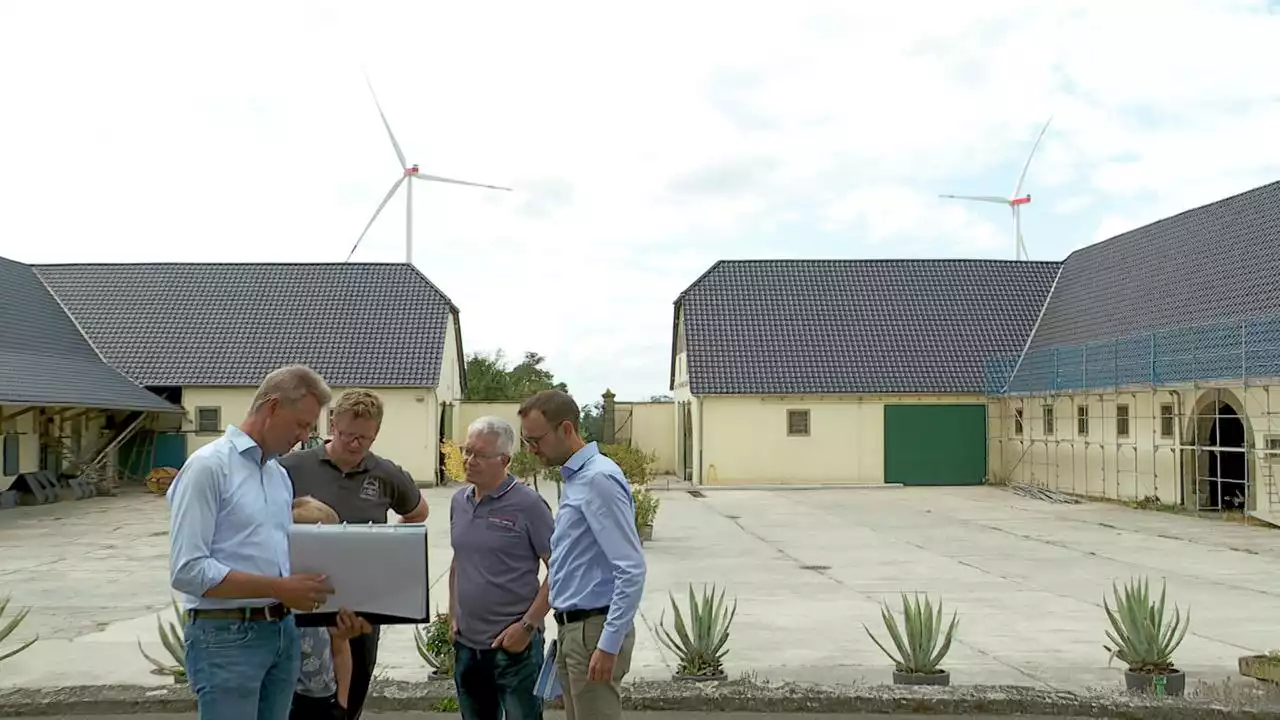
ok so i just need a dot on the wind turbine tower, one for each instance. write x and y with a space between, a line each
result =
1014 202
408 172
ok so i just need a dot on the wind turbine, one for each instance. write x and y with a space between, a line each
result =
409 172
1014 202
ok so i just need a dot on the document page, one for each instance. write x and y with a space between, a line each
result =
378 569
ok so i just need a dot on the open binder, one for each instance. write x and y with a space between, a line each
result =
379 571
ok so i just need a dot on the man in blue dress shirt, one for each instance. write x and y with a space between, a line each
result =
597 568
230 512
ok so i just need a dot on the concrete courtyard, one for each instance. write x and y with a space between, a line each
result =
808 567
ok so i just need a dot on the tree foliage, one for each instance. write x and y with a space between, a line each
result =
489 378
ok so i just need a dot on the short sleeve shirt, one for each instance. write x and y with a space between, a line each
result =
316 677
498 545
360 495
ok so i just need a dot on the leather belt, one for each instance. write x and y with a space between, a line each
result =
566 617
270 613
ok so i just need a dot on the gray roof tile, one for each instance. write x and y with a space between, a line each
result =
44 359
362 324
1215 264
857 326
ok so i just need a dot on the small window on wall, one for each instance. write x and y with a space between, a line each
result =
1272 447
1166 420
1122 421
1048 420
1017 421
209 419
1082 421
797 423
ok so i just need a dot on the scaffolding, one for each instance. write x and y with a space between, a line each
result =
1180 418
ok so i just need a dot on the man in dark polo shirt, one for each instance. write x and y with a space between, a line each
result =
501 534
361 487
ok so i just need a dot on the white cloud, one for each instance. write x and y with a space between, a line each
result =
643 146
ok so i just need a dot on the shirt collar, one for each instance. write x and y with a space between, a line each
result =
578 459
503 488
241 441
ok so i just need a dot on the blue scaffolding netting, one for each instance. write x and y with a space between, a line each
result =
1220 351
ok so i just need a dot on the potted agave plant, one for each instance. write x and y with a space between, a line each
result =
434 647
1145 639
921 643
12 625
171 639
700 646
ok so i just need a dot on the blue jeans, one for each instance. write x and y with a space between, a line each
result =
243 669
496 684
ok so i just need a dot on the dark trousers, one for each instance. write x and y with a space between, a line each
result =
306 707
364 656
496 684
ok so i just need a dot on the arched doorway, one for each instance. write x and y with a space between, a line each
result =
1218 459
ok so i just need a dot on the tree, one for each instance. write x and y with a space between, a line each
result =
592 420
489 378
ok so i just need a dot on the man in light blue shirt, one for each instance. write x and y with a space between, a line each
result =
597 568
230 512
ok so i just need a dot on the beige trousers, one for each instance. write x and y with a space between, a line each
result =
590 700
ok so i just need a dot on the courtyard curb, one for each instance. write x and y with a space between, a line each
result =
735 696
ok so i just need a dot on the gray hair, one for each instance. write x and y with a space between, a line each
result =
291 384
497 427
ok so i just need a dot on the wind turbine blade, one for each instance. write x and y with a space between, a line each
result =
399 153
1017 189
385 200
437 178
981 198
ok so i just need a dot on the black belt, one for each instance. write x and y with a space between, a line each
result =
269 613
572 616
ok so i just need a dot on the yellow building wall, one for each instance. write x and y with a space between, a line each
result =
652 428
468 411
1144 464
744 439
449 389
408 437
685 399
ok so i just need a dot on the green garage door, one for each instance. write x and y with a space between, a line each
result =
935 444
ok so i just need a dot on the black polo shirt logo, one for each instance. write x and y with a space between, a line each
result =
371 488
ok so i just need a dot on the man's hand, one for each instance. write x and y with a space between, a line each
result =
350 625
453 629
514 639
307 591
601 668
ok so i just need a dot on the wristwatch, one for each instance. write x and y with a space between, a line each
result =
527 626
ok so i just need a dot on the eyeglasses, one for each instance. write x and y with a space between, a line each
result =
343 437
470 453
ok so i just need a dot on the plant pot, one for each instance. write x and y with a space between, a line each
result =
646 533
699 678
1261 667
942 677
1175 682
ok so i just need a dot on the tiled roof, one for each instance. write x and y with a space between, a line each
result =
857 326
230 324
1218 263
44 360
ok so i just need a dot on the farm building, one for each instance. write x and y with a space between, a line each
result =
202 336
61 406
1151 373
1140 368
845 371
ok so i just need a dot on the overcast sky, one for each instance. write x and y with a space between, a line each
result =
644 141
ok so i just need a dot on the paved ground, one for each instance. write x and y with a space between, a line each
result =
1027 578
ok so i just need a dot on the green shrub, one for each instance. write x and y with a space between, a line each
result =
434 646
636 465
